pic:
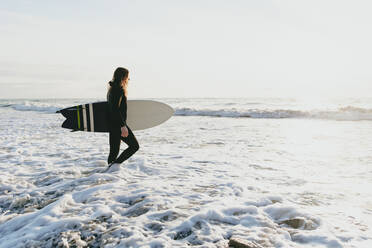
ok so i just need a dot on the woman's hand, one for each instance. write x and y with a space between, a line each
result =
124 131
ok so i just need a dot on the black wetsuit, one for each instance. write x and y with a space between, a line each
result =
117 116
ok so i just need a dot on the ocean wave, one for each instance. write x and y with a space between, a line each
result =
351 113
345 113
33 106
21 107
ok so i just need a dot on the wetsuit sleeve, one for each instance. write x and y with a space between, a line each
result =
114 108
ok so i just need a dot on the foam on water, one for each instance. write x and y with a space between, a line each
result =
195 181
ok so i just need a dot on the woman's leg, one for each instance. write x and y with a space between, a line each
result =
133 147
114 139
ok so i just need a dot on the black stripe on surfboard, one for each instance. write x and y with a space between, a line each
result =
88 118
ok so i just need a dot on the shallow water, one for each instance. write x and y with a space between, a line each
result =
198 179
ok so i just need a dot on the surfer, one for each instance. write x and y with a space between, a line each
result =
117 116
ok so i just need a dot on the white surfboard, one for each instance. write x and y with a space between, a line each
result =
92 117
143 114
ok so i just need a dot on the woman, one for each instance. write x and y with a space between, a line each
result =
117 117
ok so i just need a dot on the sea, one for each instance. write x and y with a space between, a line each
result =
275 172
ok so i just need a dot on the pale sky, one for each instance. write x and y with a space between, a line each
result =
189 48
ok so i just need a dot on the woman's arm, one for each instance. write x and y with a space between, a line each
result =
115 99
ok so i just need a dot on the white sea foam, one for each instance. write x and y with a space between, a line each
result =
195 181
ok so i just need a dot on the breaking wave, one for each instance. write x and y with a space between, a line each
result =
38 106
32 107
349 113
344 113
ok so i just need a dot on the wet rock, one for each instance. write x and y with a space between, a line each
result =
300 223
169 217
182 234
156 227
198 225
195 241
136 200
294 223
137 212
241 243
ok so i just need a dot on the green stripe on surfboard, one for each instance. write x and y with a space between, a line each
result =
78 116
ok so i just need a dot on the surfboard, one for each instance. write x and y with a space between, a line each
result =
92 117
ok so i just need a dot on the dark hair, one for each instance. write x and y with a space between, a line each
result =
119 74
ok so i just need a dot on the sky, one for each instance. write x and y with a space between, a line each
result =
186 48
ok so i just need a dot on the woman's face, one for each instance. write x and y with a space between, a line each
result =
125 81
